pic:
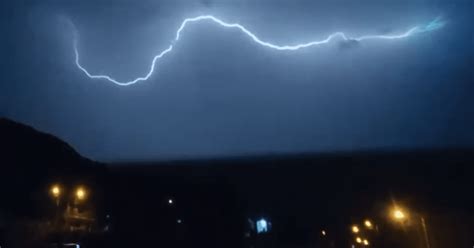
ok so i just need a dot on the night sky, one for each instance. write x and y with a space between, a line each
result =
219 94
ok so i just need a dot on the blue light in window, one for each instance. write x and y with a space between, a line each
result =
262 226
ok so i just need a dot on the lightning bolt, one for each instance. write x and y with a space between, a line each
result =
433 25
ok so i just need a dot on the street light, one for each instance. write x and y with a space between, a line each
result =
368 224
398 214
355 229
81 193
56 191
365 242
358 240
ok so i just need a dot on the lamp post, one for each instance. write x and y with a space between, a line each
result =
400 215
425 231
355 229
365 242
81 194
56 193
368 224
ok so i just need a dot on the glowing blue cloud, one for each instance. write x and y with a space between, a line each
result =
433 25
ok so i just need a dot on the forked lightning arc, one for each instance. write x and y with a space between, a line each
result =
431 26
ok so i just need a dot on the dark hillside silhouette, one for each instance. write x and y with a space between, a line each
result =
30 162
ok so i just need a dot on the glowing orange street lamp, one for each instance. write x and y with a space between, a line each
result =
398 214
55 191
81 194
401 215
365 242
368 224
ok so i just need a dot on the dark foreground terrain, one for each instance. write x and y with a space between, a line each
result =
306 200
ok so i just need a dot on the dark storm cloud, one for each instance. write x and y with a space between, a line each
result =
218 94
348 44
207 3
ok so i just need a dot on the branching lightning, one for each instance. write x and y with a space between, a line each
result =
433 25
